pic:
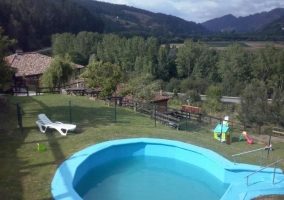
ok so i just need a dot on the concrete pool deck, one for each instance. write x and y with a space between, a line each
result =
74 168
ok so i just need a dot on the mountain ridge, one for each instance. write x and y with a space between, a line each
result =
123 18
253 22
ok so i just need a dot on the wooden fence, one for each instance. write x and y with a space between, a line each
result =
278 131
174 117
155 114
52 90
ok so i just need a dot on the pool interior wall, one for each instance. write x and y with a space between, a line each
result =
74 168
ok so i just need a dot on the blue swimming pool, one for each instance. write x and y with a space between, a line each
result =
141 168
149 177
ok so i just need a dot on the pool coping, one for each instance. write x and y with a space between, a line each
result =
62 183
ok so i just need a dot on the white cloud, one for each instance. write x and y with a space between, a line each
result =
203 10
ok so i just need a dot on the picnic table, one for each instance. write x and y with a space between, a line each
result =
76 91
93 92
170 112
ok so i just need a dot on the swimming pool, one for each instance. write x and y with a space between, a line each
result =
73 170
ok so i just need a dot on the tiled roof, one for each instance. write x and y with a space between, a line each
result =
160 97
30 63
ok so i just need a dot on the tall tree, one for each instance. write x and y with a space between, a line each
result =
254 105
6 72
276 107
264 63
143 87
63 44
162 67
213 98
185 59
104 75
234 67
108 49
85 44
59 73
152 47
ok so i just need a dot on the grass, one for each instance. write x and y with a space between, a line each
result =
26 173
225 44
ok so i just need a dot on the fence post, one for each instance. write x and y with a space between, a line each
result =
155 112
114 110
27 90
187 118
19 115
269 145
70 114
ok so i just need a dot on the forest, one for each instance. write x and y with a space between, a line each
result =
32 22
193 68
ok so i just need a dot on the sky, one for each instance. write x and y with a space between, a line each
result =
203 10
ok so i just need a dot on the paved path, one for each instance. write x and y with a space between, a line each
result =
31 93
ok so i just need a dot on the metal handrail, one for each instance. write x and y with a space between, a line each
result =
261 155
265 168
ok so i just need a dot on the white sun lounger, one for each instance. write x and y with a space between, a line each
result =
44 123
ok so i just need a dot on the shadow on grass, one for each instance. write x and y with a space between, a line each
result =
11 166
75 114
14 169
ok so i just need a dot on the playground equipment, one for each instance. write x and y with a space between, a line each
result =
226 120
222 133
268 147
244 135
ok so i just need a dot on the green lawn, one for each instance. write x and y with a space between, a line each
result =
26 173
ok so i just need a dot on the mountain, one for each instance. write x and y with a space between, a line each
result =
249 23
32 22
134 21
274 28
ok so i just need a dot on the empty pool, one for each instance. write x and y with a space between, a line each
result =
145 168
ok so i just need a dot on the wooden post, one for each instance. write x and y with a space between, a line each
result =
27 90
70 114
155 115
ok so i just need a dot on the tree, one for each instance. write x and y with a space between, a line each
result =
143 87
213 98
174 83
108 49
264 62
6 72
162 68
185 58
104 75
59 73
276 107
234 67
254 105
62 44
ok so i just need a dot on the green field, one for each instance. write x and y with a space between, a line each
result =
26 173
225 44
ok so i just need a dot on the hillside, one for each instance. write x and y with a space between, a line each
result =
32 22
274 28
122 19
249 23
